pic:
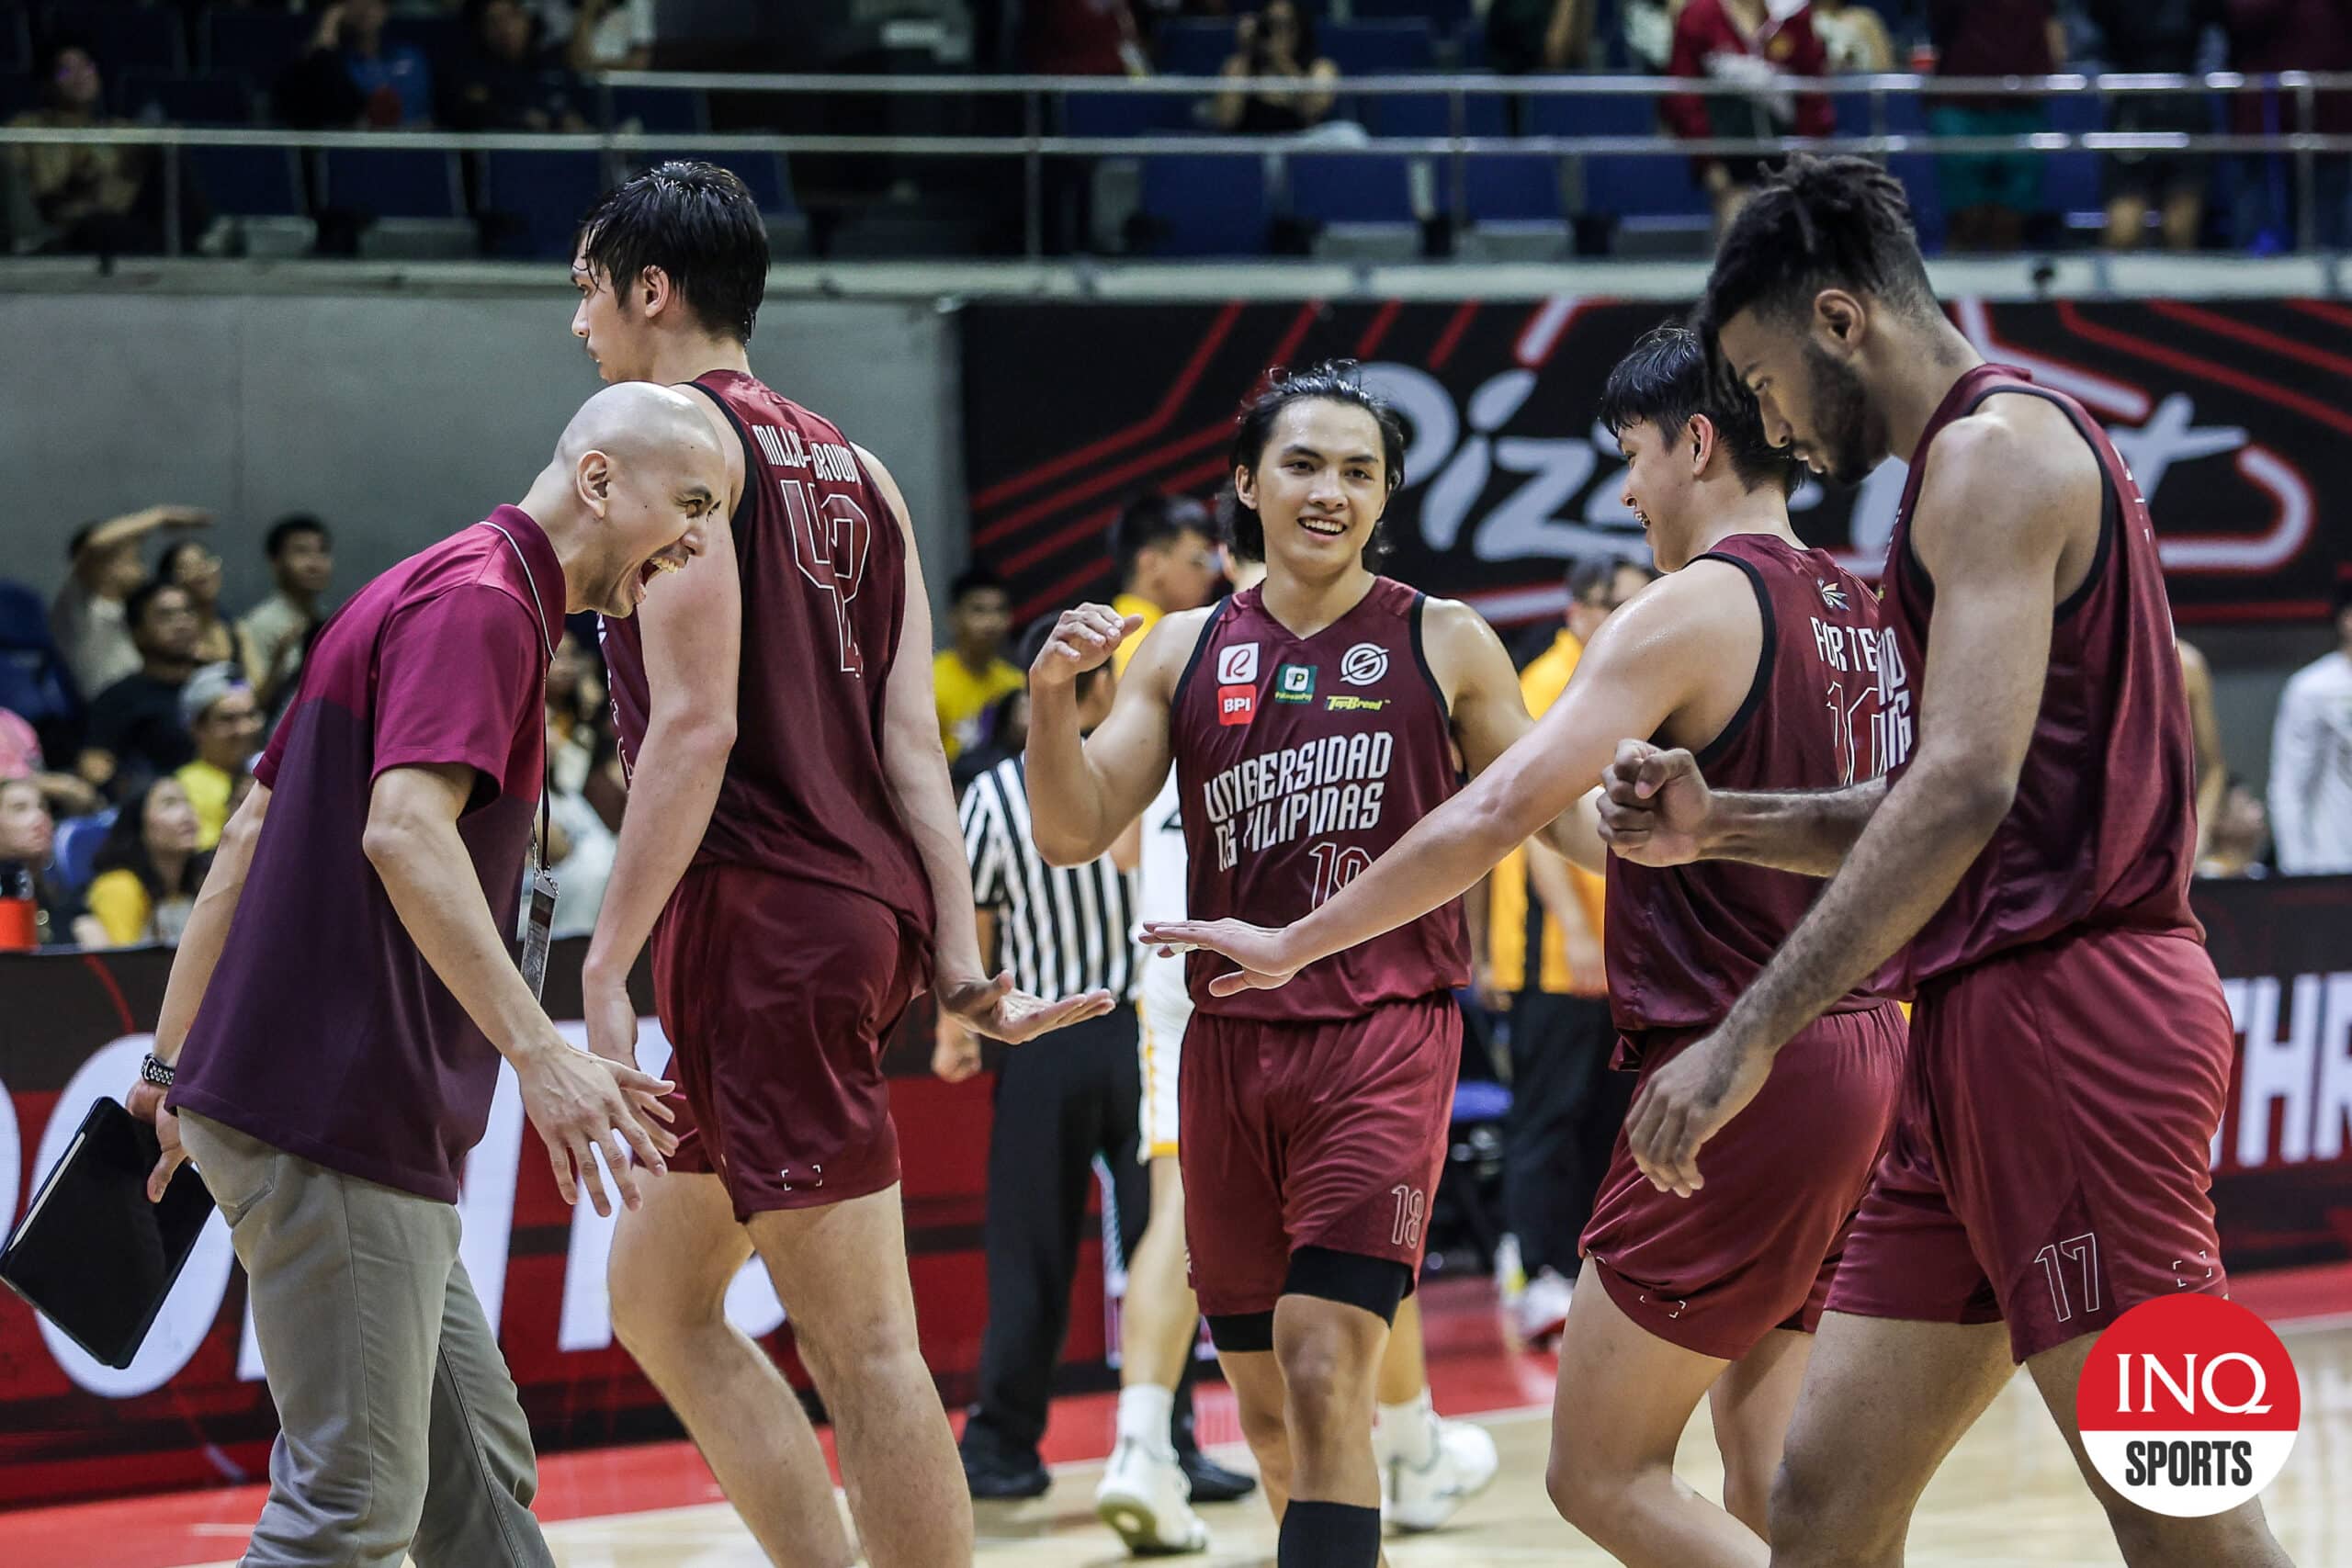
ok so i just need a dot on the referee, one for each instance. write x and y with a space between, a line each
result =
1057 1105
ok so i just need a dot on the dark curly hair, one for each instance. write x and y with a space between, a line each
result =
1334 382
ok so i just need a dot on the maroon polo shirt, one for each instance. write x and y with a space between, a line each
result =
323 1032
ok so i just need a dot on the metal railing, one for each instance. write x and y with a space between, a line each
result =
1035 143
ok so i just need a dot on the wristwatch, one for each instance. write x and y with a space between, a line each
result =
155 1072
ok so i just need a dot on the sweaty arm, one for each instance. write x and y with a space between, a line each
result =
1084 792
1647 661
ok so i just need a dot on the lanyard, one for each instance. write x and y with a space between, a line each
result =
547 641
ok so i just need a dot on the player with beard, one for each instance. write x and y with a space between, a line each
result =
1763 656
2070 1044
793 851
1310 721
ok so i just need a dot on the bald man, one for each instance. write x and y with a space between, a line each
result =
343 1038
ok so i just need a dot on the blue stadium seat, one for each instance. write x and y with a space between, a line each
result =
1377 49
1125 113
127 38
248 182
1431 114
74 852
1513 188
1341 187
657 110
257 44
187 100
1612 114
1623 185
1442 15
1206 205
35 684
543 195
393 182
2070 181
1195 48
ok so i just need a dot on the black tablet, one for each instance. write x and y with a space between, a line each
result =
93 1255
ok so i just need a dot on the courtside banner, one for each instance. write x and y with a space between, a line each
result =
192 1408
2233 414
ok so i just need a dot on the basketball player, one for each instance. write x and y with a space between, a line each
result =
1765 657
1429 1466
2070 1045
1313 716
789 782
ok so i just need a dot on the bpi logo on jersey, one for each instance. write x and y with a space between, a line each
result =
1236 705
1237 664
1363 664
2188 1406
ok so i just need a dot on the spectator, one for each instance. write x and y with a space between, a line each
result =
602 35
136 731
1647 28
971 674
36 908
148 868
2311 757
1526 36
87 199
272 636
2234 846
2270 35
581 843
225 722
2155 36
351 77
1278 41
87 617
1167 561
1744 41
2205 733
1853 37
1990 194
504 80
21 757
190 565
1081 38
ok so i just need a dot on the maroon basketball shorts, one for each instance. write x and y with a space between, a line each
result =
778 996
1754 1249
1327 1133
2050 1160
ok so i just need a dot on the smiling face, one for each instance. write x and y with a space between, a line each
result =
229 733
1808 394
1661 476
1319 487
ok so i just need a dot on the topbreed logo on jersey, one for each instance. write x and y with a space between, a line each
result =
2188 1406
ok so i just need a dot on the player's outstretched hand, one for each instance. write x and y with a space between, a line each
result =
146 1102
1259 949
580 1102
1083 640
1686 1102
612 1035
994 1009
1654 805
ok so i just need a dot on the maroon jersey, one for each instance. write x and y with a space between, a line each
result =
1825 708
2103 831
824 568
1299 762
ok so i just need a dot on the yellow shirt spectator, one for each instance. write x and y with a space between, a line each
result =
1133 604
209 791
964 698
1507 924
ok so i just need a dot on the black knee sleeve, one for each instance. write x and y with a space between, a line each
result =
1236 1333
1375 1284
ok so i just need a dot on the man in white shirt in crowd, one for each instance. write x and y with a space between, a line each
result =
2311 757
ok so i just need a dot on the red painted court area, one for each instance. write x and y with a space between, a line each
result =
1473 1371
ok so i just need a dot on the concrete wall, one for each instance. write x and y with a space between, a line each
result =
397 419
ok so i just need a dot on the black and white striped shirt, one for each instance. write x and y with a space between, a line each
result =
1061 929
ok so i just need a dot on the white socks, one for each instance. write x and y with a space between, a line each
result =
1144 1414
1408 1432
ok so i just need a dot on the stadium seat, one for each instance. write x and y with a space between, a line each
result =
127 38
1202 205
1343 187
248 182
187 100
393 182
254 44
535 200
2070 184
1377 49
1431 114
35 684
74 852
1195 48
1441 15
657 110
1513 188
1125 113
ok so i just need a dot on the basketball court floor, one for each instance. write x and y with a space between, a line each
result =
2009 1494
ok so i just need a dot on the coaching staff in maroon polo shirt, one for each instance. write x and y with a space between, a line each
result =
346 987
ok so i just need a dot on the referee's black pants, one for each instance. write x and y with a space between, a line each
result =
1565 1110
1060 1101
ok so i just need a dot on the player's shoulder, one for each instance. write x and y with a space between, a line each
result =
1454 620
2010 440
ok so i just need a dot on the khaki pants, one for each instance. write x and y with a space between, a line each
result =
398 1428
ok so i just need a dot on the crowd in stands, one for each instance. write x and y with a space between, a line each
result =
525 65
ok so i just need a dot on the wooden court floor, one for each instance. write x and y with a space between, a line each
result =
2009 1494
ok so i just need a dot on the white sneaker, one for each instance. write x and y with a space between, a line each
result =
1423 1498
1543 1309
1144 1497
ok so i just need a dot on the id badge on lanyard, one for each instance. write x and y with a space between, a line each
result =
539 926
